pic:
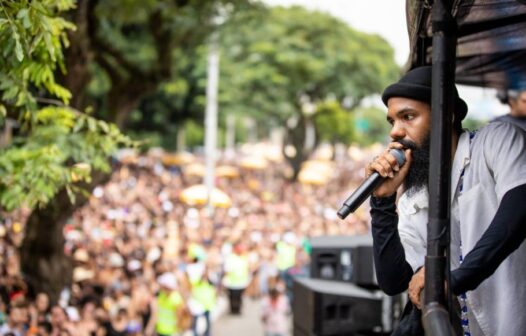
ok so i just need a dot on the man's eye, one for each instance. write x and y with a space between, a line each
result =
409 117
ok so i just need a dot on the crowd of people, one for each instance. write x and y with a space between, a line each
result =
147 263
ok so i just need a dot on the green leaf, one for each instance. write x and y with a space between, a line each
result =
79 125
19 52
104 126
71 194
92 126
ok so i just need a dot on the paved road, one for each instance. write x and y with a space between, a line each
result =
248 323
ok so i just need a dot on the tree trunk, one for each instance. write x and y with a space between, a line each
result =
45 266
42 257
296 135
78 56
123 98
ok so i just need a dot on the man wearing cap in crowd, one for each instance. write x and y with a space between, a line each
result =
488 189
165 310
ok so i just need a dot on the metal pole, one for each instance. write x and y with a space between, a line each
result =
211 117
442 104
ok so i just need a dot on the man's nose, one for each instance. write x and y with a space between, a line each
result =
397 132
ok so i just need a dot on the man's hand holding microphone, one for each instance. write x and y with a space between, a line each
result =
384 175
388 166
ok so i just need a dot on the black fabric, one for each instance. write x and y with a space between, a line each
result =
416 84
491 44
235 297
410 323
393 272
505 234
111 331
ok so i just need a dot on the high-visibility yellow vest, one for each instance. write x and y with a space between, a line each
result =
237 274
167 305
204 293
286 255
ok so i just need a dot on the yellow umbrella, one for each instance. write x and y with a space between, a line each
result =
253 162
322 167
227 171
324 153
309 176
273 153
195 169
198 195
315 172
178 159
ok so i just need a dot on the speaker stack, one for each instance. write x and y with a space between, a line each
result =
342 296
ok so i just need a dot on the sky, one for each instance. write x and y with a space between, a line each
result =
387 19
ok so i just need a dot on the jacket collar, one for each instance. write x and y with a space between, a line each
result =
460 161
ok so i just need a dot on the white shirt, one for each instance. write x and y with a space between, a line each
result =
495 163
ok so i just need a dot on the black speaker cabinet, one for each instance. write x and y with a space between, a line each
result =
332 308
344 258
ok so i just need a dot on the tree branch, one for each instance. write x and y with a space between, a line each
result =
163 43
100 46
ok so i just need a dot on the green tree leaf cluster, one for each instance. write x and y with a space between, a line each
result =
53 143
370 126
34 33
334 124
283 65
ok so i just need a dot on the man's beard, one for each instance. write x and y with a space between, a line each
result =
418 174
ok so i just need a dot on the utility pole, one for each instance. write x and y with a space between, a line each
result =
211 116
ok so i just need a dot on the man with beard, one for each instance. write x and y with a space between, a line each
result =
487 210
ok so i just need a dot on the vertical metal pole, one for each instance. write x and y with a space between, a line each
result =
436 320
211 117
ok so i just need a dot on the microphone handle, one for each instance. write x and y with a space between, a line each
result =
360 195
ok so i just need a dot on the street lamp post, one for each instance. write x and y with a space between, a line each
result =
211 116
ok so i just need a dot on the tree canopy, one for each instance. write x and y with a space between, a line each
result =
283 65
71 74
54 145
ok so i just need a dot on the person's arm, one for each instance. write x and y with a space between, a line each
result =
393 272
149 329
505 234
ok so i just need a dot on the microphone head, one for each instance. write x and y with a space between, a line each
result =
399 155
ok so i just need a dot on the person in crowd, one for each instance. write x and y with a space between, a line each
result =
60 324
516 100
286 252
164 319
17 319
118 324
275 309
135 227
88 322
487 214
42 307
237 277
203 300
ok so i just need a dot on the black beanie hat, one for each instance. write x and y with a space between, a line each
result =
416 84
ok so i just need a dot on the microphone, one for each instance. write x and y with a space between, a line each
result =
368 186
